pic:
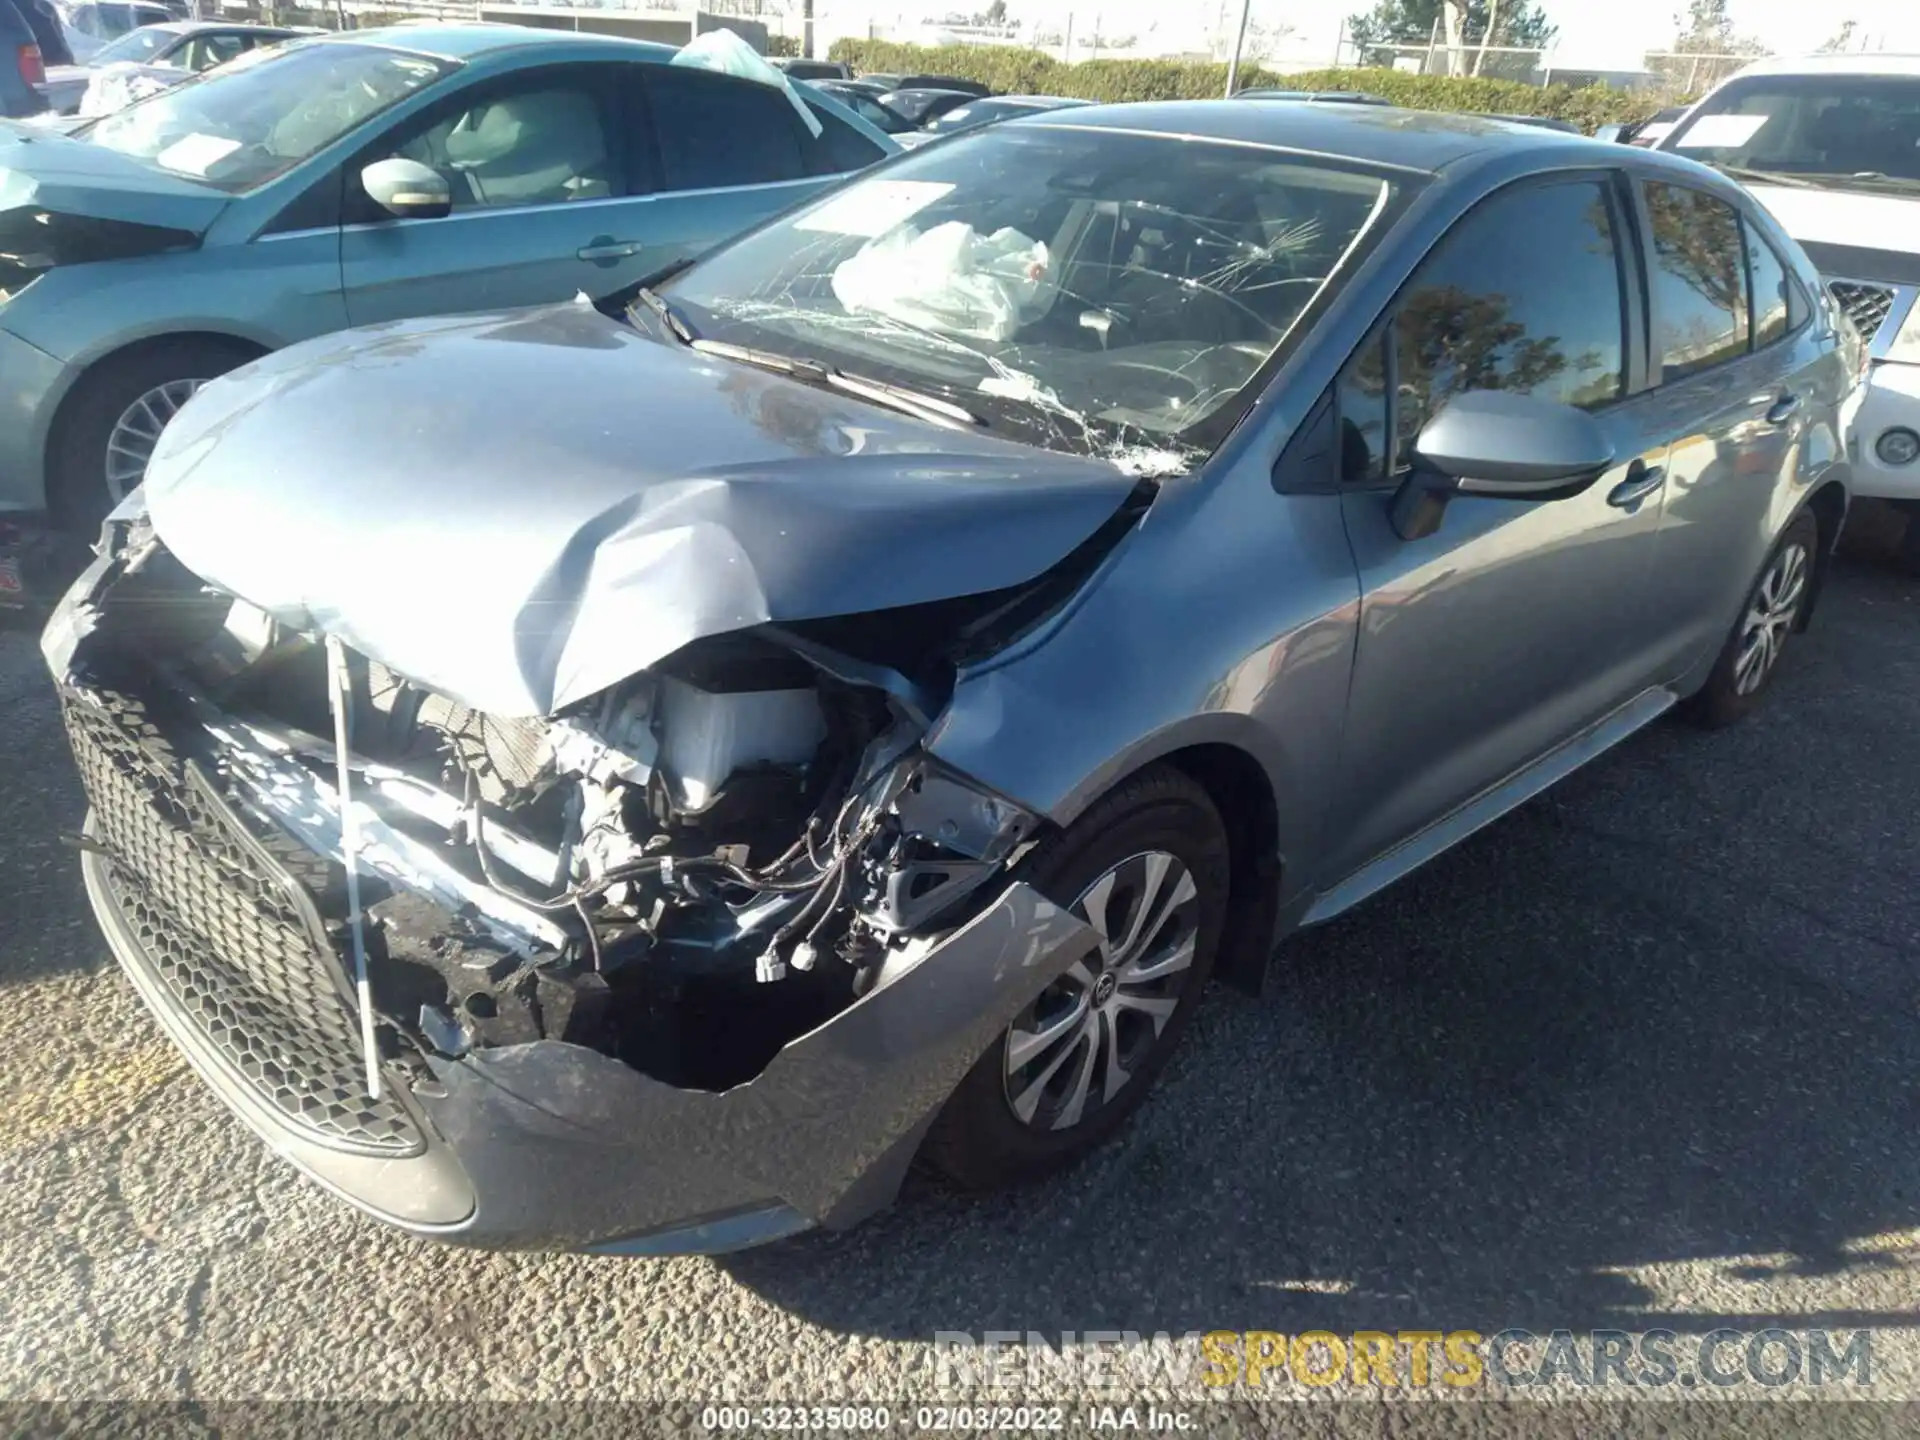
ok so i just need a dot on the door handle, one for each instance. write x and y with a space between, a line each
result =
1642 480
605 251
1783 409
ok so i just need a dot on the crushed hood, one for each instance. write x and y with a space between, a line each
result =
521 510
43 169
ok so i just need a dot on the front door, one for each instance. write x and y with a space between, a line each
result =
1517 624
547 202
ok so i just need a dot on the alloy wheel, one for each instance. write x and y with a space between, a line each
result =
130 443
1079 1044
1769 619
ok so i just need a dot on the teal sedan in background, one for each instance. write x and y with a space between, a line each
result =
348 180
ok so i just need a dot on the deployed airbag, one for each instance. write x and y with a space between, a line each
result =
949 279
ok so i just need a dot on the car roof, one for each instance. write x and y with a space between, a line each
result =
1889 65
1033 102
1323 97
473 40
1381 135
240 27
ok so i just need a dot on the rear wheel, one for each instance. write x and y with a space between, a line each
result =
107 431
1774 606
1146 868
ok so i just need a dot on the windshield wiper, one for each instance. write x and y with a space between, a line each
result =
814 372
1770 177
664 311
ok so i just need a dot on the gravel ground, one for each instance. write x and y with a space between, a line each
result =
1640 1055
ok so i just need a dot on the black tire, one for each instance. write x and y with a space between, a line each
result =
77 451
978 1139
1723 700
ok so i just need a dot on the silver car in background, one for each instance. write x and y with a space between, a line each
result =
843 701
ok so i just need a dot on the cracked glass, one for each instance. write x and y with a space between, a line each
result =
1087 290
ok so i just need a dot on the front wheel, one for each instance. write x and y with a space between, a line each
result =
108 429
1146 868
1774 606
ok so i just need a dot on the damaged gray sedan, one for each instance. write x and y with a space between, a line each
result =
635 777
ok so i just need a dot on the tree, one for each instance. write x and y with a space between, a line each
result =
1707 29
995 14
1263 40
1520 23
1842 40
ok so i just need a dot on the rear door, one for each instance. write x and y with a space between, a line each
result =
1735 360
545 193
1518 624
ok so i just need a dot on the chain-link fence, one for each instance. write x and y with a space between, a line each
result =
1664 72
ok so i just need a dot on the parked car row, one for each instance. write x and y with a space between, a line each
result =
152 58
22 67
94 24
916 108
635 774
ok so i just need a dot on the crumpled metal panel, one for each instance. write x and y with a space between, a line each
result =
393 487
44 171
828 1127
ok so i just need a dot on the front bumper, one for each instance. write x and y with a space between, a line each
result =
1890 398
544 1145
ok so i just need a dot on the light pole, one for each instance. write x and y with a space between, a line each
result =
1239 39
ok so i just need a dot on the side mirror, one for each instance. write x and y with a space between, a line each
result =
1501 446
408 189
1611 134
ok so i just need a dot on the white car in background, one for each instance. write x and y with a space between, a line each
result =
151 59
92 26
1831 145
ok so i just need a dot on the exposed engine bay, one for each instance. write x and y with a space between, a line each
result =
685 871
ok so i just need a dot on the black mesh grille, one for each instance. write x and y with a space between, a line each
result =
230 934
1866 305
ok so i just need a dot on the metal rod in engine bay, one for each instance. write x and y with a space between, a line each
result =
340 701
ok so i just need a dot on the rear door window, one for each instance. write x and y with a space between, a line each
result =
717 131
1772 291
1698 277
838 148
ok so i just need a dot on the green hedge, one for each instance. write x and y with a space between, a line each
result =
1009 71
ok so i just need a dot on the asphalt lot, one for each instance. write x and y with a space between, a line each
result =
1642 1054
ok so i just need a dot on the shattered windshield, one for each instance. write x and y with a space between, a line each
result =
1834 128
1088 290
264 112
